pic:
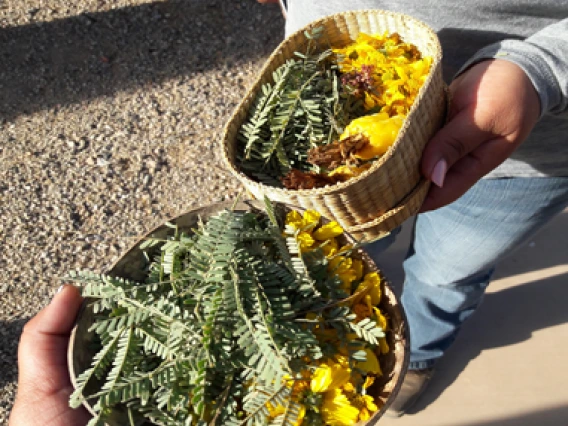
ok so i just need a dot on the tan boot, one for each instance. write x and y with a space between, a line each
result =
414 384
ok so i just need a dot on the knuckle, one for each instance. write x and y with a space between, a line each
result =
458 148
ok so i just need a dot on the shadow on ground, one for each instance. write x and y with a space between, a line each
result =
507 317
551 417
10 337
51 64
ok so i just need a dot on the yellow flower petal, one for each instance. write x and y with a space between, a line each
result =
369 380
364 415
329 376
294 219
384 346
358 268
342 359
310 219
337 410
301 415
305 241
346 172
371 285
366 405
349 387
381 319
369 403
327 231
380 129
329 247
342 267
371 365
275 411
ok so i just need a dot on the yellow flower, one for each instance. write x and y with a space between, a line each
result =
357 267
329 247
369 380
305 241
349 387
280 409
339 264
364 414
342 359
305 222
327 231
346 172
397 70
301 415
342 266
369 402
371 365
380 129
371 285
275 411
328 376
294 219
300 386
381 319
366 405
311 219
383 323
337 410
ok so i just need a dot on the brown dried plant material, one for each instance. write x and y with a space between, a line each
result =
360 81
297 179
338 152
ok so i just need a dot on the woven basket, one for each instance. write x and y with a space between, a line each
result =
132 266
392 190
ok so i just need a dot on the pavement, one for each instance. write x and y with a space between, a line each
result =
110 116
507 366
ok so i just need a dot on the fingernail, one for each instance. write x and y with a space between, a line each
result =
61 287
439 173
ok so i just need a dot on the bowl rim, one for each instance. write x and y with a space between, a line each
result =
400 336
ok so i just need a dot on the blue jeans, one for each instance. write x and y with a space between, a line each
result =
455 249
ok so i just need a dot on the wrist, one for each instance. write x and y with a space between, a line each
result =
530 60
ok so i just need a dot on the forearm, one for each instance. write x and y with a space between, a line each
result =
544 58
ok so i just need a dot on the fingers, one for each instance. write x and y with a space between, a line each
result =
42 353
44 386
457 139
58 317
466 172
457 181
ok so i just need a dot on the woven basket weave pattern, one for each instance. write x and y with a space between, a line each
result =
381 198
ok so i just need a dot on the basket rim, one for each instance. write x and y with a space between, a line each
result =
416 192
255 87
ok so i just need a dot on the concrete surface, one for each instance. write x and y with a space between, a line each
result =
507 366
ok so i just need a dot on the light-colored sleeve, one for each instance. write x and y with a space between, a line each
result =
544 58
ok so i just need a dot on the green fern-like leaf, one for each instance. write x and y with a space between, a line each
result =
368 330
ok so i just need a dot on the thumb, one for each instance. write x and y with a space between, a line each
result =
42 353
460 136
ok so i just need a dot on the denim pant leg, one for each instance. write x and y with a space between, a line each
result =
456 248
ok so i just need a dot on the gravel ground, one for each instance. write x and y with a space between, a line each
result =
111 113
